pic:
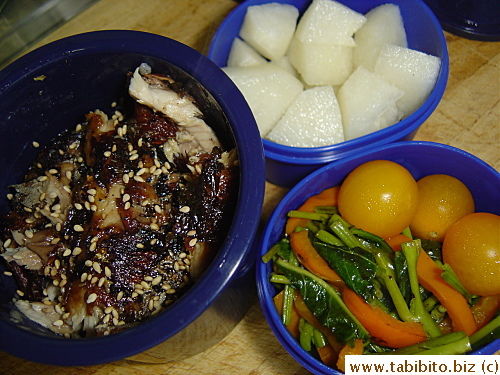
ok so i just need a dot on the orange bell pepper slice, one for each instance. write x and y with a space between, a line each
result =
310 259
384 328
327 197
485 309
429 276
328 355
293 327
357 349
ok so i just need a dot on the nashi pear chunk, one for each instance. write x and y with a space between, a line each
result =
269 28
413 72
241 54
312 120
384 25
321 64
367 103
268 89
329 22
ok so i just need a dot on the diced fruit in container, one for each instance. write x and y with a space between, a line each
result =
241 54
284 63
268 89
367 103
269 28
313 120
412 71
329 22
384 25
321 64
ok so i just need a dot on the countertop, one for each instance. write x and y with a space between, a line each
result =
466 118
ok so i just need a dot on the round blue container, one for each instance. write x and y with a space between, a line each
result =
421 159
286 165
50 90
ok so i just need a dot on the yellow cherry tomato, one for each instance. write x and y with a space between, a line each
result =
380 197
472 248
442 200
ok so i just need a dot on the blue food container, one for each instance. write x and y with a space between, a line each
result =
287 165
421 159
50 90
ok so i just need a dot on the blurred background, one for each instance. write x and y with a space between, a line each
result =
23 22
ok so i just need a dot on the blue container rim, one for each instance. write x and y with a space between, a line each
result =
264 288
236 249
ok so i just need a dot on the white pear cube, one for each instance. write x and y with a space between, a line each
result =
414 72
329 22
384 25
241 54
313 120
321 64
268 89
367 103
269 28
285 63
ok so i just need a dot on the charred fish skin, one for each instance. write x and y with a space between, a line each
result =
119 216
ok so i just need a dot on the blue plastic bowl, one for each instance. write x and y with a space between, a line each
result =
286 165
421 159
87 72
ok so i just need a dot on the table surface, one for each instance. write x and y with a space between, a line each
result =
466 118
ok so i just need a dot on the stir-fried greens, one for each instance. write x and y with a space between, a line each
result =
346 291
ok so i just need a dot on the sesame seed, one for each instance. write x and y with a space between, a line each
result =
126 178
193 242
58 323
113 148
53 195
106 318
92 191
126 197
148 278
107 271
153 241
36 144
119 296
20 292
141 171
156 280
97 267
28 233
154 226
78 127
151 304
67 188
78 206
67 253
7 273
170 291
91 198
158 209
66 315
93 280
10 196
139 142
57 263
92 298
127 205
87 205
101 281
139 246
191 233
17 256
53 171
134 157
78 228
185 209
93 246
88 263
69 175
138 178
58 228
107 154
7 243
77 251
182 255
63 283
93 208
